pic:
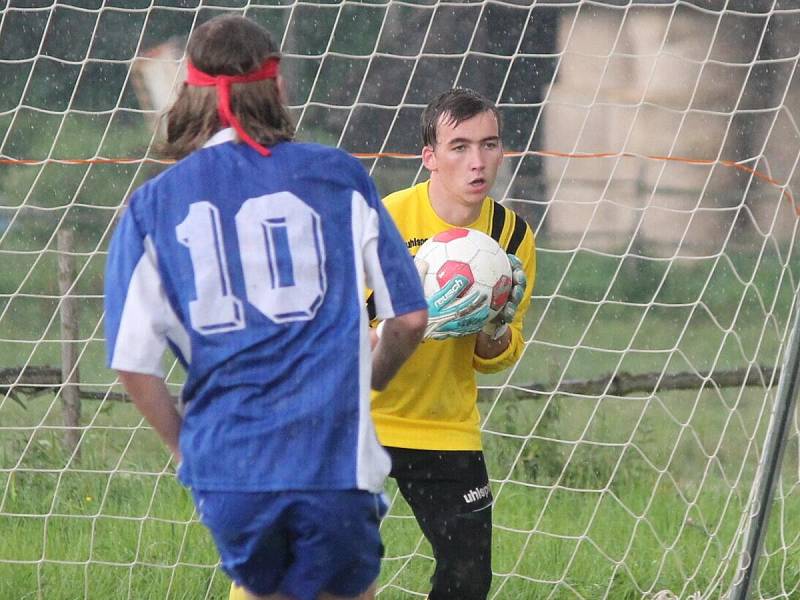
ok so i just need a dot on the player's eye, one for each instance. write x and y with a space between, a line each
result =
491 145
459 148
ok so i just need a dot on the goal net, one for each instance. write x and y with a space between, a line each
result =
651 144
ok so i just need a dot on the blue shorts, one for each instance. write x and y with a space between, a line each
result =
296 543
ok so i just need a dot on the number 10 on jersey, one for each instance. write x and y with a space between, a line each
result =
282 254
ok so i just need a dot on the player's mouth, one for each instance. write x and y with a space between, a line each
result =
478 184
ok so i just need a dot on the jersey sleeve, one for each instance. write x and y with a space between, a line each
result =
136 307
527 254
389 269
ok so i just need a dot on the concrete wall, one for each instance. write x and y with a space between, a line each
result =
675 82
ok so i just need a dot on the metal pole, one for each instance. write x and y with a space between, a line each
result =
770 467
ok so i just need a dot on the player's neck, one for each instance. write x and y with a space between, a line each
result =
451 209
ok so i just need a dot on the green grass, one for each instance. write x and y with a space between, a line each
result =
115 523
596 496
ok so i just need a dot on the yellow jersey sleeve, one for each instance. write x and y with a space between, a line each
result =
516 237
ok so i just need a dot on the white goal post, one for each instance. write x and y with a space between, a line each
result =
646 444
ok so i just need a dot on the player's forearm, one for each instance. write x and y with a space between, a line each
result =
150 395
487 348
399 338
504 359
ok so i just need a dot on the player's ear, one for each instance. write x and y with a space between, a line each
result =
428 158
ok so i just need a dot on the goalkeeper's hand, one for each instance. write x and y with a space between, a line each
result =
497 327
451 316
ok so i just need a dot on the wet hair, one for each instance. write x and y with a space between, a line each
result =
454 107
228 45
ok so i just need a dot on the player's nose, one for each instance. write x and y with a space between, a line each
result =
477 161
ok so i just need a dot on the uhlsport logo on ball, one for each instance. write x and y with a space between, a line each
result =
472 254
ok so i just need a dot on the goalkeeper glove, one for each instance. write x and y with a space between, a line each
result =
497 327
451 316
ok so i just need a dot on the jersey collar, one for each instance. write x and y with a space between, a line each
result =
223 135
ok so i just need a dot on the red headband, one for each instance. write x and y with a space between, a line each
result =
268 70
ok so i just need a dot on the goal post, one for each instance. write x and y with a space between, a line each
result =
770 465
646 443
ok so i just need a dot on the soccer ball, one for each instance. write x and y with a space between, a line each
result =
474 255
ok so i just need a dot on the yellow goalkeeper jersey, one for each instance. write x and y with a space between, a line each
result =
431 404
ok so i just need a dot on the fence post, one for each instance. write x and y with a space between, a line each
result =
70 380
769 469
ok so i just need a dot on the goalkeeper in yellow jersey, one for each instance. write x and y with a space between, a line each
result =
427 417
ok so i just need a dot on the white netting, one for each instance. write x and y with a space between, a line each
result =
653 146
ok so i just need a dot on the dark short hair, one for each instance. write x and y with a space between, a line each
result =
455 106
228 45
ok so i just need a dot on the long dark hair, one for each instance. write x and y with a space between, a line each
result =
228 45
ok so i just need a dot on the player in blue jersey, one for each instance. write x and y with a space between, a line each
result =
248 258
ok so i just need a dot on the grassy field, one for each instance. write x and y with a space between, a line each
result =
116 524
597 496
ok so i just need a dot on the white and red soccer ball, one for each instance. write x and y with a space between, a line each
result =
473 254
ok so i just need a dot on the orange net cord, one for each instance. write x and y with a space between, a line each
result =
373 155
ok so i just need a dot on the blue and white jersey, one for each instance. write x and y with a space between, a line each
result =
252 270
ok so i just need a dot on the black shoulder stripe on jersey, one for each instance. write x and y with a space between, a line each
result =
498 220
520 227
371 311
